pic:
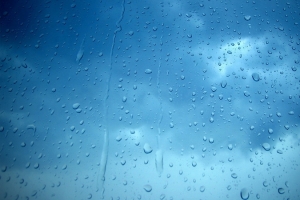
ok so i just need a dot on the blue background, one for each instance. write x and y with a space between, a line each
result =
149 99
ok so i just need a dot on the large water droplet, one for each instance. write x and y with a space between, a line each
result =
266 146
148 188
280 190
147 148
244 194
255 77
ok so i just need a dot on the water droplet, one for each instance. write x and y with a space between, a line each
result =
148 71
223 84
118 138
3 168
76 105
130 33
281 191
36 165
147 148
123 162
194 163
247 17
234 175
246 94
255 77
279 151
244 194
148 188
286 127
291 112
213 89
27 165
202 189
230 147
266 146
64 167
270 131
294 68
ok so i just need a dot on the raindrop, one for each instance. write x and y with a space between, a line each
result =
130 33
255 77
194 163
244 194
286 127
270 131
36 165
147 148
148 188
123 162
280 190
247 17
223 84
76 105
3 168
64 167
202 189
291 112
234 175
279 151
148 71
266 146
118 138
230 147
246 94
213 89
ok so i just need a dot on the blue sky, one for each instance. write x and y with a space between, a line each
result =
178 76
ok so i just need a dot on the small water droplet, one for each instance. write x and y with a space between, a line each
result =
148 71
247 17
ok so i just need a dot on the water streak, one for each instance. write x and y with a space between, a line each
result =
81 51
159 152
104 154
